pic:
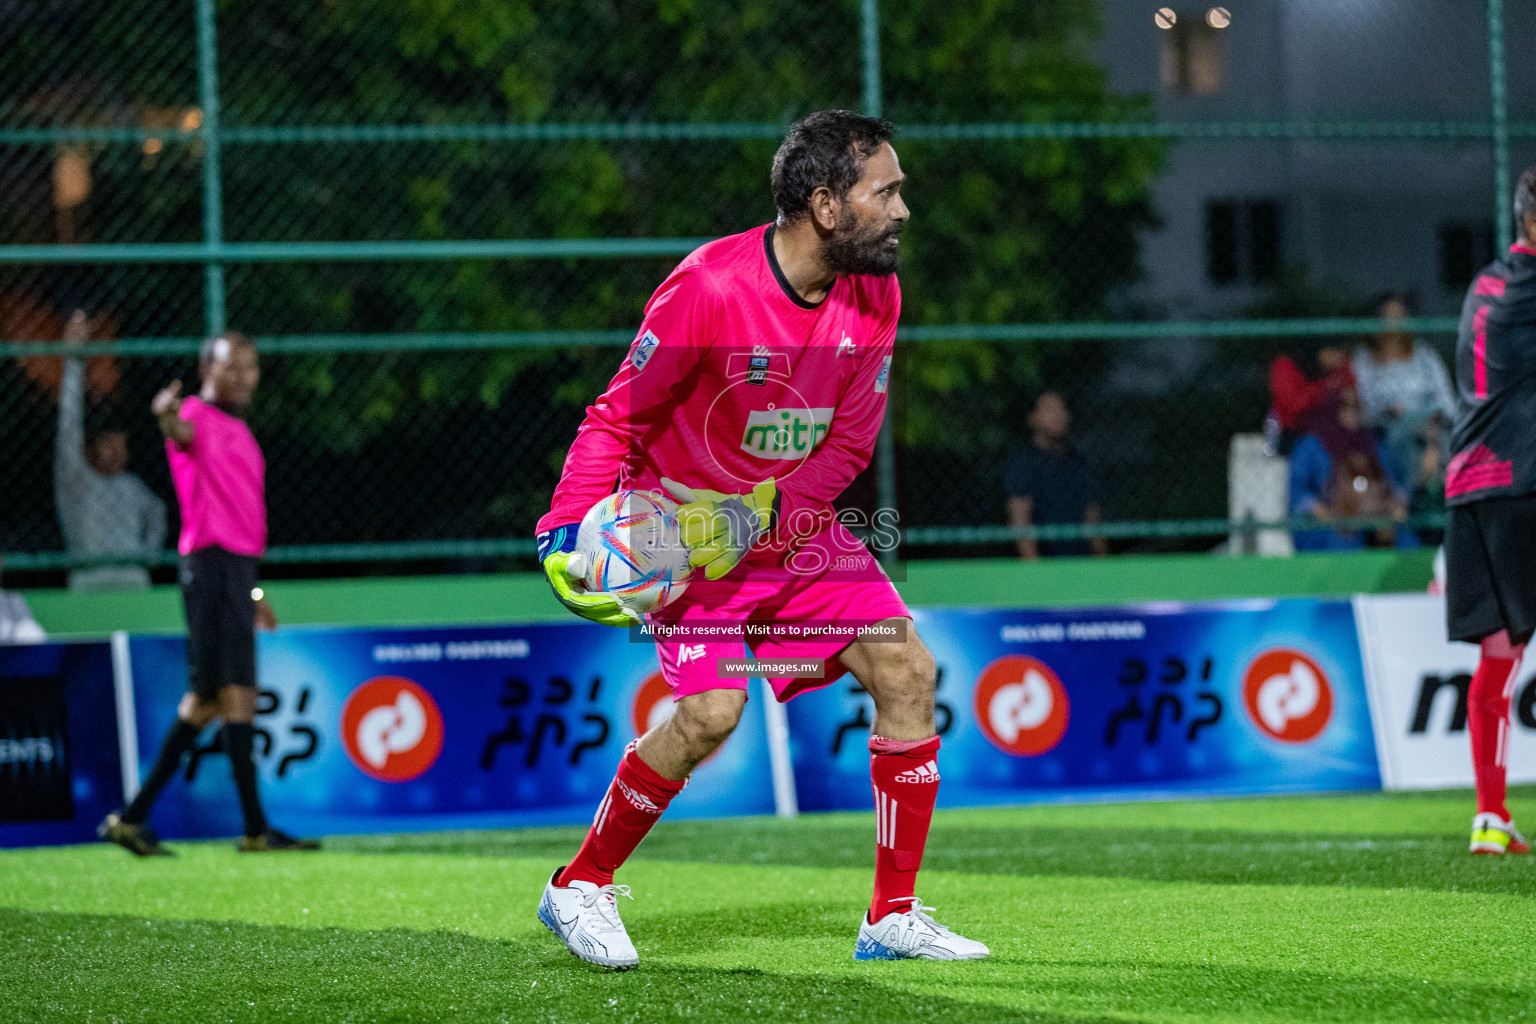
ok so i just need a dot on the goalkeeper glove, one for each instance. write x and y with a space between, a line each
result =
556 549
719 529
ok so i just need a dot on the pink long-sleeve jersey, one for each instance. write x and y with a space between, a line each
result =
734 379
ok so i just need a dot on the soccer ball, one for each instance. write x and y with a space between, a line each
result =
630 546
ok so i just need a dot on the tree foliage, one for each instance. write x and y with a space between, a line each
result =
1029 230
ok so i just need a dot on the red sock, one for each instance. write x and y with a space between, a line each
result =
634 802
1488 720
906 778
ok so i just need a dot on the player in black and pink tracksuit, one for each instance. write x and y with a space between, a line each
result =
1490 491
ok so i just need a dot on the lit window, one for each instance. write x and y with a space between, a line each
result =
1193 59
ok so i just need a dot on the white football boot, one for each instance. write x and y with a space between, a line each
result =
586 918
912 935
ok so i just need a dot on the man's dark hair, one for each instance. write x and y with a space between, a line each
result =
234 338
826 149
1525 198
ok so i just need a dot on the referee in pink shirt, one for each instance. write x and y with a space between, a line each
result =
220 479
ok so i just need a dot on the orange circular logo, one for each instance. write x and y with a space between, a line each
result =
1287 695
392 729
652 705
1021 705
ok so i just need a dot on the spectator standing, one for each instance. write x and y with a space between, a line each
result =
1336 472
110 518
220 478
17 626
1050 483
1402 382
1299 385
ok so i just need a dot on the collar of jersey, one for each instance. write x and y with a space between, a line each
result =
778 274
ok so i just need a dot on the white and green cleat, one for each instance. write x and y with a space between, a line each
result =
1491 834
912 935
585 917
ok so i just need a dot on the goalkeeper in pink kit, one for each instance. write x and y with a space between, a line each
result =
753 395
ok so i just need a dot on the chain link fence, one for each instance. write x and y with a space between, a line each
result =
443 219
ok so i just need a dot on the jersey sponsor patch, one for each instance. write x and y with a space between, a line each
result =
757 366
883 379
644 349
787 434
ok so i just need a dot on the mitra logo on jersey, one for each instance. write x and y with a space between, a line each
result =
690 652
785 433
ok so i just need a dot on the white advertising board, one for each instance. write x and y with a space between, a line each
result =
1416 681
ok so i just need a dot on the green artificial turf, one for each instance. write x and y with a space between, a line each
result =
1296 908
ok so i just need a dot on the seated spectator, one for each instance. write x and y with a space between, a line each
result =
17 626
1336 472
1050 482
1300 384
109 516
1402 382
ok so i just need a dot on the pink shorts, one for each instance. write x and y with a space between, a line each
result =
689 658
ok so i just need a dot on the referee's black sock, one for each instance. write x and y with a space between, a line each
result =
181 738
238 741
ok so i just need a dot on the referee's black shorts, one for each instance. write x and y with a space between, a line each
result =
221 620
1490 568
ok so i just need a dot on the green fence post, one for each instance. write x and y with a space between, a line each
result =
213 189
1504 216
869 32
885 444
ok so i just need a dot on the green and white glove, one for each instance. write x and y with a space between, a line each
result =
719 529
556 548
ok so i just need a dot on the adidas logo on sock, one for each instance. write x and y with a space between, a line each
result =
922 773
639 800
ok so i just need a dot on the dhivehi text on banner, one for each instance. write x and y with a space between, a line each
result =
1143 700
421 729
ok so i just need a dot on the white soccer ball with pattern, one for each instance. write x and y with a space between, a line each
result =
629 545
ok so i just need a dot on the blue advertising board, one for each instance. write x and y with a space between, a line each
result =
423 729
1164 699
60 772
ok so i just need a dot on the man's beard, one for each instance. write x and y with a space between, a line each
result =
855 250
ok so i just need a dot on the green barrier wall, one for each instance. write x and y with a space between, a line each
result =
523 597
